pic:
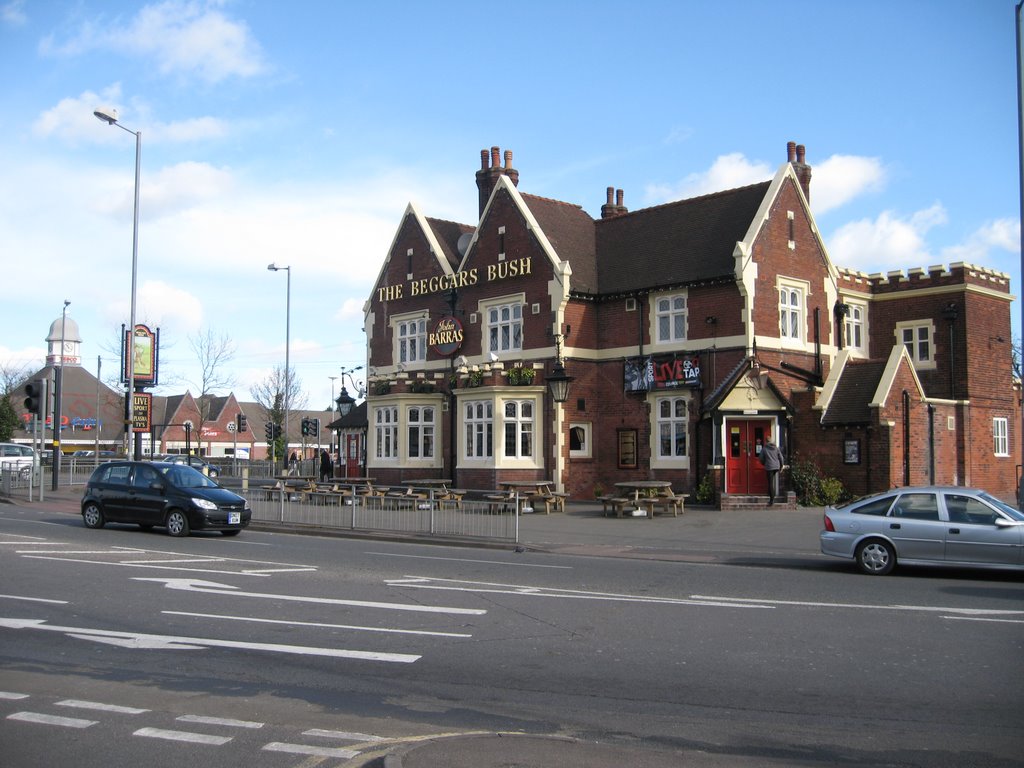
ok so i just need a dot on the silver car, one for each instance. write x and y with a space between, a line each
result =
927 525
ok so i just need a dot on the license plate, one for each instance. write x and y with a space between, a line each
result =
234 518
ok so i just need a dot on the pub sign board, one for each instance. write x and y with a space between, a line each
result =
643 374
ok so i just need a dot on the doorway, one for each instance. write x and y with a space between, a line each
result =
743 470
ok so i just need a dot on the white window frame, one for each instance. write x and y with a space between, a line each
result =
677 425
477 429
914 328
1001 436
586 431
670 316
520 427
421 431
515 303
410 348
856 323
792 296
386 447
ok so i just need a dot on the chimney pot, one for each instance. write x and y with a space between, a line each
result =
508 158
611 194
618 198
791 151
800 153
495 157
483 159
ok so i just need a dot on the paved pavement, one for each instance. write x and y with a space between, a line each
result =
766 536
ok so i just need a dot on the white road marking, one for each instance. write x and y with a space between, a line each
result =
455 585
978 618
142 565
304 749
317 624
10 696
101 707
177 560
817 604
345 735
465 560
192 738
34 599
168 642
64 722
219 721
210 587
265 571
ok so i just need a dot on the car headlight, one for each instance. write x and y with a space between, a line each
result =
204 503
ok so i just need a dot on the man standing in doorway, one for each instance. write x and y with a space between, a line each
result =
771 457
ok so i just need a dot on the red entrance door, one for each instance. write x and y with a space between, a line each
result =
351 455
743 470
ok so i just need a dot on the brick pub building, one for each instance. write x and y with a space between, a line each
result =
693 332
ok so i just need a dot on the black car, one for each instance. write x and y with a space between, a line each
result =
195 462
152 494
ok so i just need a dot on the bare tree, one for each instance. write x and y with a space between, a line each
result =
11 375
214 353
270 394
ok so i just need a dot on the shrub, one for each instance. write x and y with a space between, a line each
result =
705 493
813 490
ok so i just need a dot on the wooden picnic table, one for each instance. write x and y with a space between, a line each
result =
636 486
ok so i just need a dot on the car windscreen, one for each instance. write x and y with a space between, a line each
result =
184 476
1012 512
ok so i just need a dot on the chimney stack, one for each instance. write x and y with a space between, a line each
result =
490 170
611 209
797 154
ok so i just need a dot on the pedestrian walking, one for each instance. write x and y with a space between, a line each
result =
293 464
772 459
326 466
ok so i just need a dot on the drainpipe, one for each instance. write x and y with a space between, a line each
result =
931 444
906 437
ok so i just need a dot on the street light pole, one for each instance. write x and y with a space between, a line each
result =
58 400
109 116
287 350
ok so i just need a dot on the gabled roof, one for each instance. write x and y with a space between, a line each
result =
447 234
855 387
570 230
854 391
685 242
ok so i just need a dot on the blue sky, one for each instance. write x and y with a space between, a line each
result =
297 133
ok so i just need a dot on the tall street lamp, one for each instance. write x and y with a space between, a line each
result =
287 350
334 407
109 116
58 399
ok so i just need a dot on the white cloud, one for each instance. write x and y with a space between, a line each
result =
888 242
72 120
1000 235
841 178
190 38
13 13
727 172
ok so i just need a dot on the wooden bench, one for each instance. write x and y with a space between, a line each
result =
615 504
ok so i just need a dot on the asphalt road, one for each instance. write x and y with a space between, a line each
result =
118 646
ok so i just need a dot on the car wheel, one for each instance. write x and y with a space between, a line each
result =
231 533
876 557
92 516
177 523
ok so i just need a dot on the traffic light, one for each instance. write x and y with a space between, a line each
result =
241 425
272 431
35 400
314 427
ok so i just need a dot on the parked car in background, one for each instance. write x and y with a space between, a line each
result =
195 462
18 459
925 525
151 494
